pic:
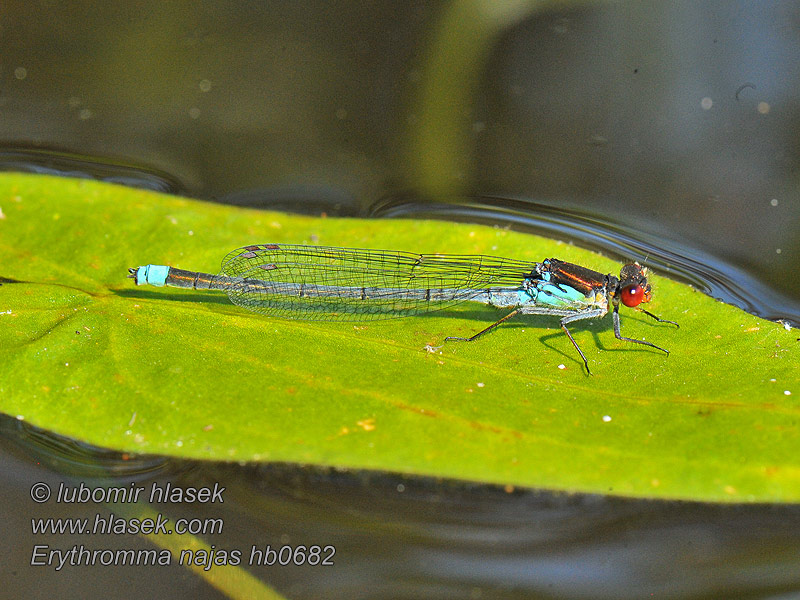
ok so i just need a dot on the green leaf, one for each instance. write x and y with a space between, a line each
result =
85 353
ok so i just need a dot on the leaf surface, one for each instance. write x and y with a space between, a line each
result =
86 353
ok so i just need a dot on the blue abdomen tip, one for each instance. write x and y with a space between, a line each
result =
152 274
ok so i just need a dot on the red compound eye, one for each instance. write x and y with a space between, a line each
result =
632 295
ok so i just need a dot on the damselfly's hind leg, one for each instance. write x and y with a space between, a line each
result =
482 331
568 317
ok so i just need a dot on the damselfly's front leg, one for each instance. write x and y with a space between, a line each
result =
619 336
649 314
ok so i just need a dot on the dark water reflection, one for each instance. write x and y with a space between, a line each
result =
398 537
66 164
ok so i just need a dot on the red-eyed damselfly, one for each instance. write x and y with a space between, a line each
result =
350 284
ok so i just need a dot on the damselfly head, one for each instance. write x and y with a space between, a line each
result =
633 286
132 272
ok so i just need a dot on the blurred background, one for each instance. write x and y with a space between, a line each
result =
658 130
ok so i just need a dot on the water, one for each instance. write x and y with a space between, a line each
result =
64 164
402 537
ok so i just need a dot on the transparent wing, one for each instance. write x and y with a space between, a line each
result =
350 284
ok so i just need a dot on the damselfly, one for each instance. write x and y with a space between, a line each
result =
327 283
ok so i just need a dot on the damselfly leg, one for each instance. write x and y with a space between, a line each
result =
482 331
660 320
567 317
